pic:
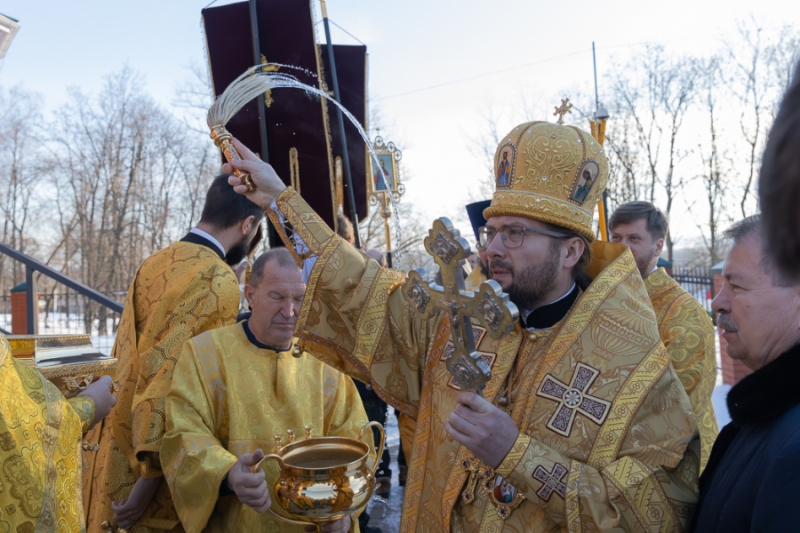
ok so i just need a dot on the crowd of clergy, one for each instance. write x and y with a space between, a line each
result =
597 416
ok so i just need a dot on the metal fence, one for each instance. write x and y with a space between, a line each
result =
57 304
64 311
697 281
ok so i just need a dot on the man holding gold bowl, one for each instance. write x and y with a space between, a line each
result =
237 388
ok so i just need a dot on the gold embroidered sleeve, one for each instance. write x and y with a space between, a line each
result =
195 462
86 410
203 306
354 317
651 486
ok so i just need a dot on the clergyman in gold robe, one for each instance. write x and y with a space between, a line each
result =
584 425
236 387
177 293
480 272
40 447
685 328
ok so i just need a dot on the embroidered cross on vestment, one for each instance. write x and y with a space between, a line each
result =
573 399
552 482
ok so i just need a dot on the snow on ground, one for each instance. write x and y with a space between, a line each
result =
70 324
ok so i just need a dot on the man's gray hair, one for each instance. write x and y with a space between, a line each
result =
752 227
280 255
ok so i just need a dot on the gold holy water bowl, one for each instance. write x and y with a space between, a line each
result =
323 479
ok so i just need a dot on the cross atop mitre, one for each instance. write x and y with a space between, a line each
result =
562 110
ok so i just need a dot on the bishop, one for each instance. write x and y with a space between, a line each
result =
596 433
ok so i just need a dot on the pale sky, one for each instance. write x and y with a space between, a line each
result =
412 44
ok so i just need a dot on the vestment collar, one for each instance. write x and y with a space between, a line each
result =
196 236
549 315
767 393
257 343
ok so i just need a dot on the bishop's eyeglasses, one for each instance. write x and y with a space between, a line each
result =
512 236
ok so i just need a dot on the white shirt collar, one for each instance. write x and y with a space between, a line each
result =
207 236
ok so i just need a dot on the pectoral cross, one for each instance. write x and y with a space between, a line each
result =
490 305
482 476
565 108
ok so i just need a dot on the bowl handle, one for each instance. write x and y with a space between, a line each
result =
273 457
380 448
274 495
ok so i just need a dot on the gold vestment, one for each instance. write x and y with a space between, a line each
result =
608 441
688 334
40 450
178 292
228 398
475 278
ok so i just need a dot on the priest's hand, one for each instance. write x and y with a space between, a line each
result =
268 184
487 431
104 400
128 512
339 526
250 488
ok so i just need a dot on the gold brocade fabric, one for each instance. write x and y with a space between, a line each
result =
230 397
688 334
407 427
608 441
474 280
40 439
178 292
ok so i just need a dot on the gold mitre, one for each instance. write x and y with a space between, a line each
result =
551 173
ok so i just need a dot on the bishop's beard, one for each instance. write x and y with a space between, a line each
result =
532 283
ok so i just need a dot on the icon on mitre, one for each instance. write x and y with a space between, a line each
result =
505 165
587 177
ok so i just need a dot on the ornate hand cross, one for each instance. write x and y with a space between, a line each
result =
565 108
490 305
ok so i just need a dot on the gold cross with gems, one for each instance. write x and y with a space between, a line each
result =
562 110
490 305
482 476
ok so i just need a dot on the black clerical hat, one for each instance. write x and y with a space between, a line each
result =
475 212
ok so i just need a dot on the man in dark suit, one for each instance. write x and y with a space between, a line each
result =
753 473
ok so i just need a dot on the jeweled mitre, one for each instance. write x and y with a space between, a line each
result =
551 173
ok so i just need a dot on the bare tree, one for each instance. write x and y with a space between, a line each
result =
654 92
482 141
783 55
119 161
20 175
749 83
624 177
711 174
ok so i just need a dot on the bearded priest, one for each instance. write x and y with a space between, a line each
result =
584 425
686 329
181 291
234 388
